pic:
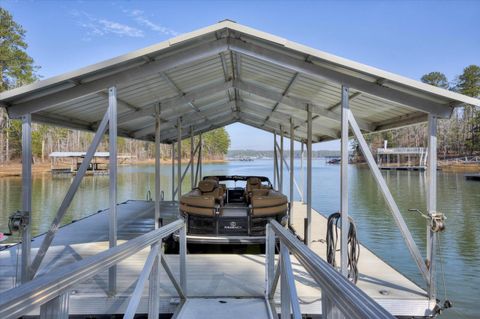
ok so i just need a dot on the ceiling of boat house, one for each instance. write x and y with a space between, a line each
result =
228 73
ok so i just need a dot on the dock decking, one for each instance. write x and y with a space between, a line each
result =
209 275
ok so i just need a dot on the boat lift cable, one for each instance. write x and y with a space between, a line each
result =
353 245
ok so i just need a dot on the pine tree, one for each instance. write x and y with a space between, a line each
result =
16 69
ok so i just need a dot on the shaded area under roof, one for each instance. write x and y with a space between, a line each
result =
228 73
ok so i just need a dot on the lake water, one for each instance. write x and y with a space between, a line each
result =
458 198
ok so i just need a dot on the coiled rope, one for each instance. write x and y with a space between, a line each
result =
352 244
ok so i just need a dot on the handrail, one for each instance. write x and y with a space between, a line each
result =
20 300
336 289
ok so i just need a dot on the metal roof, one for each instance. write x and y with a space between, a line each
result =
228 73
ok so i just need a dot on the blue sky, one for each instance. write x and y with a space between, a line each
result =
410 38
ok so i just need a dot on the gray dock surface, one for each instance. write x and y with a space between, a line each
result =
209 275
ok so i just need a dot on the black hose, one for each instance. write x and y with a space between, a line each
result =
352 244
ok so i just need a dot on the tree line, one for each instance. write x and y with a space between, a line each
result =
17 68
457 136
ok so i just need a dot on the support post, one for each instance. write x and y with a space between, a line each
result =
275 169
192 184
173 172
154 279
26 274
154 285
309 175
183 258
200 157
157 168
280 179
292 164
270 259
179 158
344 183
112 212
397 216
302 177
432 200
56 308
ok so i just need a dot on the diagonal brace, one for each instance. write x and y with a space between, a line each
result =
397 216
69 196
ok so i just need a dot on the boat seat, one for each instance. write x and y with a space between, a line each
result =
205 200
268 202
253 183
222 187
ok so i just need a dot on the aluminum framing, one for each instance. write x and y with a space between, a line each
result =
344 183
290 76
112 176
343 296
26 273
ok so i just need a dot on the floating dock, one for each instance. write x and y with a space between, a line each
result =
214 280
473 177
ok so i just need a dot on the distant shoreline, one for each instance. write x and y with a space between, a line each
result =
14 168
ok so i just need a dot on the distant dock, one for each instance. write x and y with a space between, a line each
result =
473 177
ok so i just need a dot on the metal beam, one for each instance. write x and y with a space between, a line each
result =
136 296
275 162
350 99
302 179
112 212
285 92
121 78
26 273
295 102
192 156
309 176
401 121
187 119
157 167
322 72
201 128
281 159
173 172
344 183
269 126
179 157
69 196
397 216
432 201
200 156
292 164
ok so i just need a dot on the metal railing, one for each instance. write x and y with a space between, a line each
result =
50 291
340 297
402 150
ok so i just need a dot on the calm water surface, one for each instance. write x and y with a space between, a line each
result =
457 198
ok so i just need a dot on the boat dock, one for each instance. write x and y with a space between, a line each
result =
237 279
113 262
473 177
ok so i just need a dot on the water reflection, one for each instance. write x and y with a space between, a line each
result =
457 198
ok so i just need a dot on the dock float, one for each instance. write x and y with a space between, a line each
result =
215 280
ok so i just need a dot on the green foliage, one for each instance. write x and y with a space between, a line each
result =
468 82
16 66
436 79
217 142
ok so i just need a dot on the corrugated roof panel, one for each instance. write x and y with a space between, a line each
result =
193 62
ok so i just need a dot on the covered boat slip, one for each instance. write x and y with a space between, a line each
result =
211 276
200 81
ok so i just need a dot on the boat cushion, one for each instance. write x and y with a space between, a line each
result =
207 185
268 202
